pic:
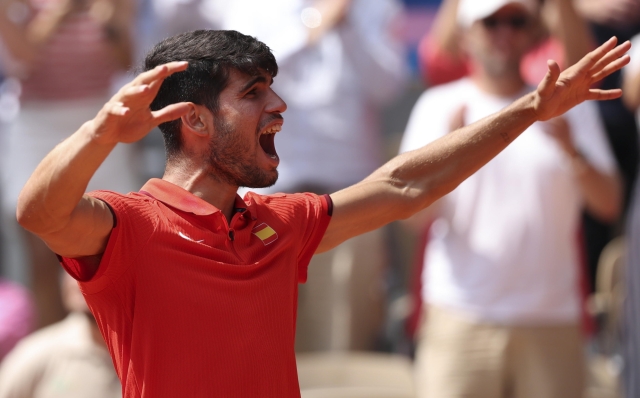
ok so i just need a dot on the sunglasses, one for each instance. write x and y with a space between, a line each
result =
515 22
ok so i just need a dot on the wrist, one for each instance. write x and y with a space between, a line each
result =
95 137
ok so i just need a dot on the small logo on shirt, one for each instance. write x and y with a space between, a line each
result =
183 236
265 233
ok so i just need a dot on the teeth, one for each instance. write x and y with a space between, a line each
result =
273 129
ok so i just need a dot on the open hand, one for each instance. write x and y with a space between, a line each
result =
127 117
558 92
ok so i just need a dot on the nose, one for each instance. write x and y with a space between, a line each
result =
276 104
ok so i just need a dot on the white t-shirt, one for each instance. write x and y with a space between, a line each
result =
504 247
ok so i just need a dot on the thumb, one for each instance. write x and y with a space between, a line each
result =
547 86
171 112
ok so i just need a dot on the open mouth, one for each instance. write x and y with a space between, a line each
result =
267 141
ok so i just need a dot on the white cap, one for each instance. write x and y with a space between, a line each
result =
470 11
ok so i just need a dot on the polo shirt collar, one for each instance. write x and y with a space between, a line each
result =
181 199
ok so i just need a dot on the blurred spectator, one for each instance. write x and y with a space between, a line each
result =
566 40
68 359
64 52
502 268
620 18
16 315
631 323
339 63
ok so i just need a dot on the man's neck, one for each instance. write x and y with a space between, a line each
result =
503 85
200 183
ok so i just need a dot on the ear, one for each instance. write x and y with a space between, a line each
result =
198 120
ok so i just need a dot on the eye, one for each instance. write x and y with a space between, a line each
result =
252 92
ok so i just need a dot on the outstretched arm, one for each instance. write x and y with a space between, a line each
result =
412 181
52 204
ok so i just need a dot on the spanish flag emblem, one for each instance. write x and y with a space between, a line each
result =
265 233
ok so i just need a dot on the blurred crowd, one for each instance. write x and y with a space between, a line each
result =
522 282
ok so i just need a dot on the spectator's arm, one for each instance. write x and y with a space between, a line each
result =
332 14
444 31
414 180
23 39
601 191
566 25
374 49
119 31
631 89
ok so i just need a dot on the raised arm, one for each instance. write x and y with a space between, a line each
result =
53 205
412 181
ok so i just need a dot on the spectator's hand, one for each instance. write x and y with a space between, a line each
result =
127 117
559 92
559 129
457 119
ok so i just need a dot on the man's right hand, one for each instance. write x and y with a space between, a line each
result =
127 117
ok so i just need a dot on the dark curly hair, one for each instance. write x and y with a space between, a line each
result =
211 55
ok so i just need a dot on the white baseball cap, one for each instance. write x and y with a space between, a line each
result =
470 11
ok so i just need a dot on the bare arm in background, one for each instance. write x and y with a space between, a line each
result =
559 17
25 40
631 87
566 25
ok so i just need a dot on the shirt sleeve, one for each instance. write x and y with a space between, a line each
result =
134 223
590 138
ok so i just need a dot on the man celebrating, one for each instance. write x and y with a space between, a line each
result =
502 265
194 288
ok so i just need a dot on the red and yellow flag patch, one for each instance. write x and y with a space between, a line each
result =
265 233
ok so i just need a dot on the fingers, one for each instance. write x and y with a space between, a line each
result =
611 56
547 85
612 67
170 112
589 60
160 72
601 95
116 108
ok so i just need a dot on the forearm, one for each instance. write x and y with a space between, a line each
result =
423 176
602 192
14 36
572 31
44 25
631 88
444 29
54 190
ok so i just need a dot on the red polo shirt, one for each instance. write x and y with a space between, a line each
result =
191 306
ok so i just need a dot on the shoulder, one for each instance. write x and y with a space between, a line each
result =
445 94
132 205
285 204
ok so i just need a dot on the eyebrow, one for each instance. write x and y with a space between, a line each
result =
257 79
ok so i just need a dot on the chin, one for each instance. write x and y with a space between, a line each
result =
265 180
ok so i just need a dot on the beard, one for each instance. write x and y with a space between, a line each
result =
230 160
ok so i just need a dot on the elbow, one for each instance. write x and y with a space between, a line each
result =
24 216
